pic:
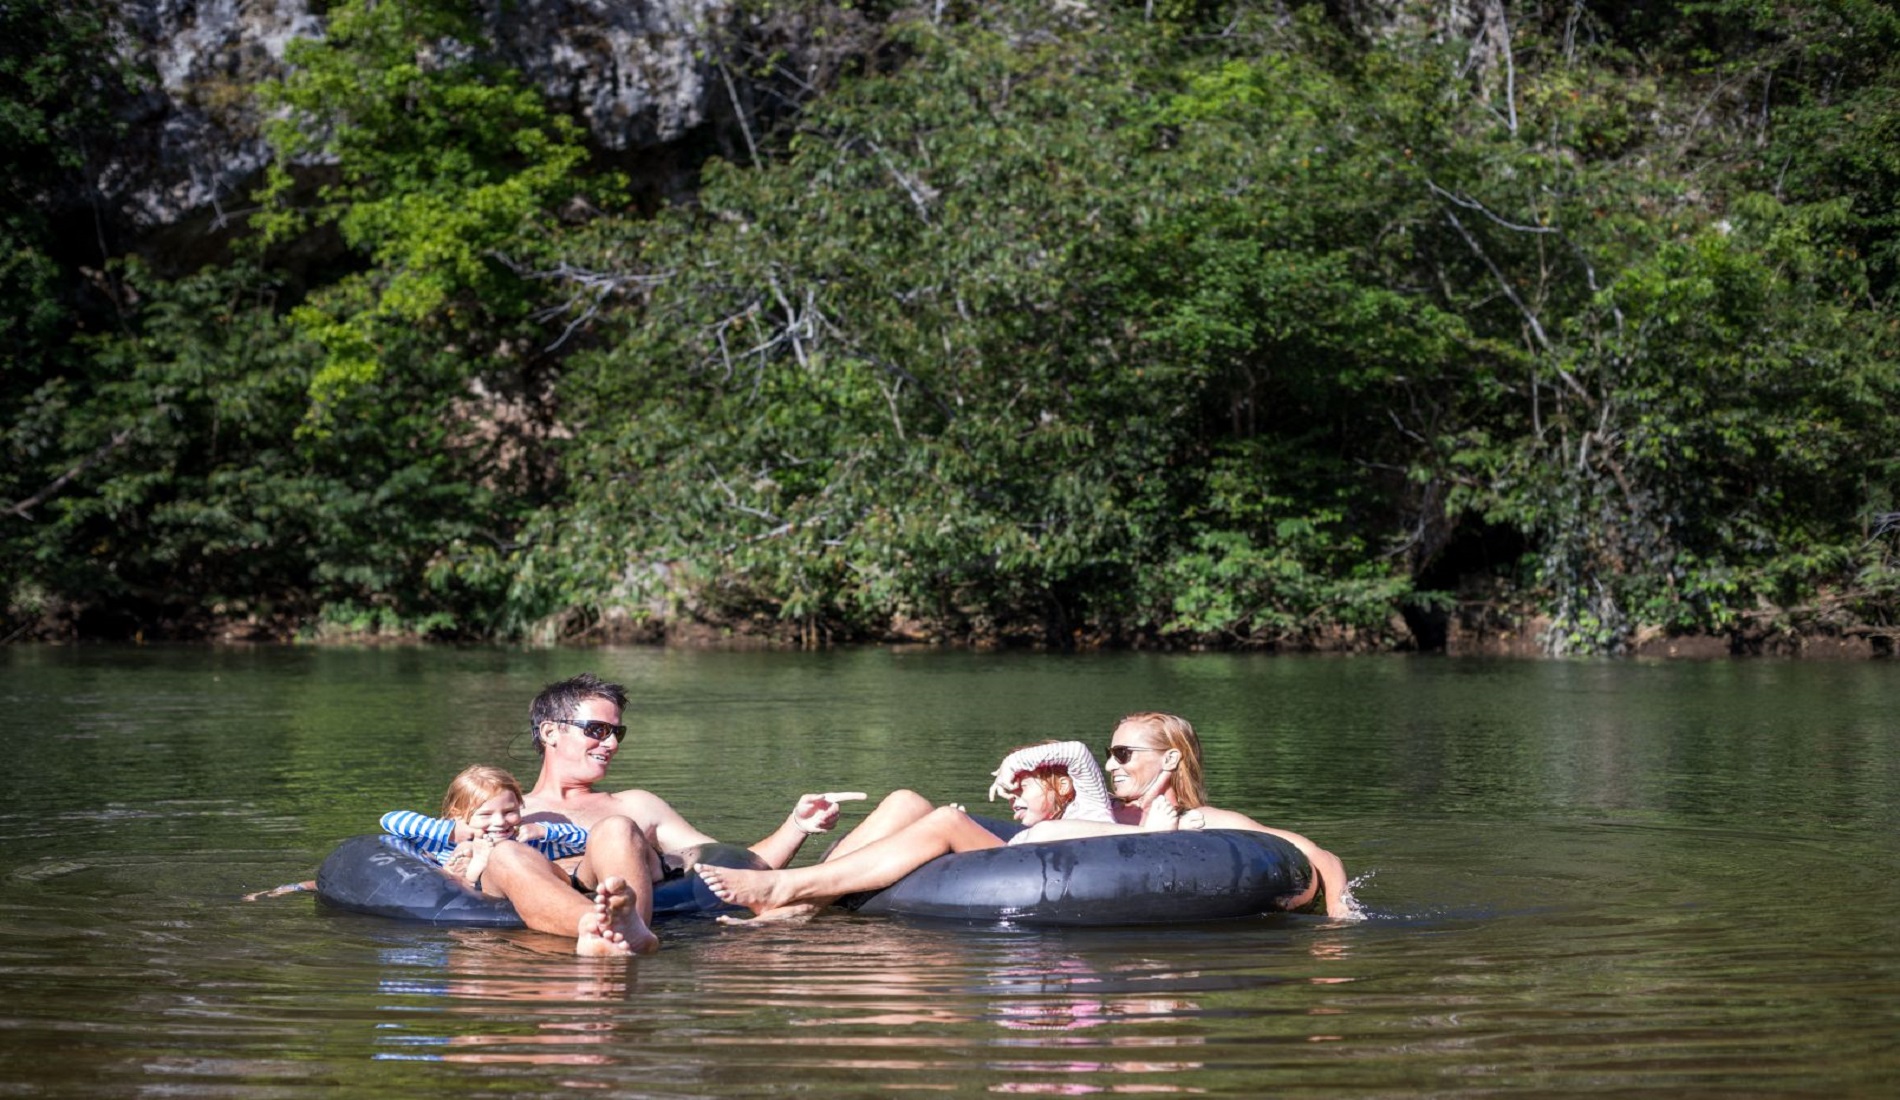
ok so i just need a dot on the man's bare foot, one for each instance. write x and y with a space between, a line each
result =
614 928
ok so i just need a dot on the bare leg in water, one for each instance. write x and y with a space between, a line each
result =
613 927
898 811
875 862
802 891
616 848
610 924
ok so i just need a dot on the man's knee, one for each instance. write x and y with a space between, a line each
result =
512 859
618 833
617 846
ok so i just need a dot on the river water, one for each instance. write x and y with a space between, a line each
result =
1580 878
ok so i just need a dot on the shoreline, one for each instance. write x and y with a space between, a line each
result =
1488 634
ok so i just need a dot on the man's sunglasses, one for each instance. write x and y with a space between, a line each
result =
1121 753
595 728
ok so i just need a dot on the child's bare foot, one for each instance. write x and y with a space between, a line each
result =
469 860
614 928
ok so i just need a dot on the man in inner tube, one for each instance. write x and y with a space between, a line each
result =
577 730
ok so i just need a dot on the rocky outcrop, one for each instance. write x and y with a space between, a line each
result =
191 137
635 73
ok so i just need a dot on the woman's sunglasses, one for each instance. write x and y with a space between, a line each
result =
596 729
1120 753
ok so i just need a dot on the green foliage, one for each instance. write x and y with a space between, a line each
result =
1173 323
449 177
940 372
56 74
202 504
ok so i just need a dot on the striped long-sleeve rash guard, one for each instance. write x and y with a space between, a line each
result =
1091 788
432 835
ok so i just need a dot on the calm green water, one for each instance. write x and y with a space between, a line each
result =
1582 879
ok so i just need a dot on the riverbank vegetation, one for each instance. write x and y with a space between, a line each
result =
1171 323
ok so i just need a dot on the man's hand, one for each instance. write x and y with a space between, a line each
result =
818 813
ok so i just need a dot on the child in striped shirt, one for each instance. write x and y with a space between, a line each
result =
481 809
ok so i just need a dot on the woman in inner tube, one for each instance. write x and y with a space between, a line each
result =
1154 764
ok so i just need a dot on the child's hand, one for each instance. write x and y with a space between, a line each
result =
463 831
530 831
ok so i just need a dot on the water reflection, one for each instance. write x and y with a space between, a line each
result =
507 1000
1585 878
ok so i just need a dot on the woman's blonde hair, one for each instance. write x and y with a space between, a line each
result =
1171 731
475 785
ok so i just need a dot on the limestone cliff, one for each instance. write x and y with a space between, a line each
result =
636 72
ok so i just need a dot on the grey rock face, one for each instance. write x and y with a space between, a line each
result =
635 71
192 138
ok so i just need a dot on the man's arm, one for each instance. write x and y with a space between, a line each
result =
813 813
662 824
671 832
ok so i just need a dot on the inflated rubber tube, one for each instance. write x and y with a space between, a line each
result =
386 876
1130 878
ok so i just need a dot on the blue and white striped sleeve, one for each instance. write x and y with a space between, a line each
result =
564 838
431 834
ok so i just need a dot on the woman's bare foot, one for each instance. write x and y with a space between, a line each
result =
614 928
766 893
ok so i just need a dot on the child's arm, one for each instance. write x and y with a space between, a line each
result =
1091 789
559 839
431 834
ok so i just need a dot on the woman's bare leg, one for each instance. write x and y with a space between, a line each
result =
898 811
778 895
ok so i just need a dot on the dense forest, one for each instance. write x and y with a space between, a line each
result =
1175 323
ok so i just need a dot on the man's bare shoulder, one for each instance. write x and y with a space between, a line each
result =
633 797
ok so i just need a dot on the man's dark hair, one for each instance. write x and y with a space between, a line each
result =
563 698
